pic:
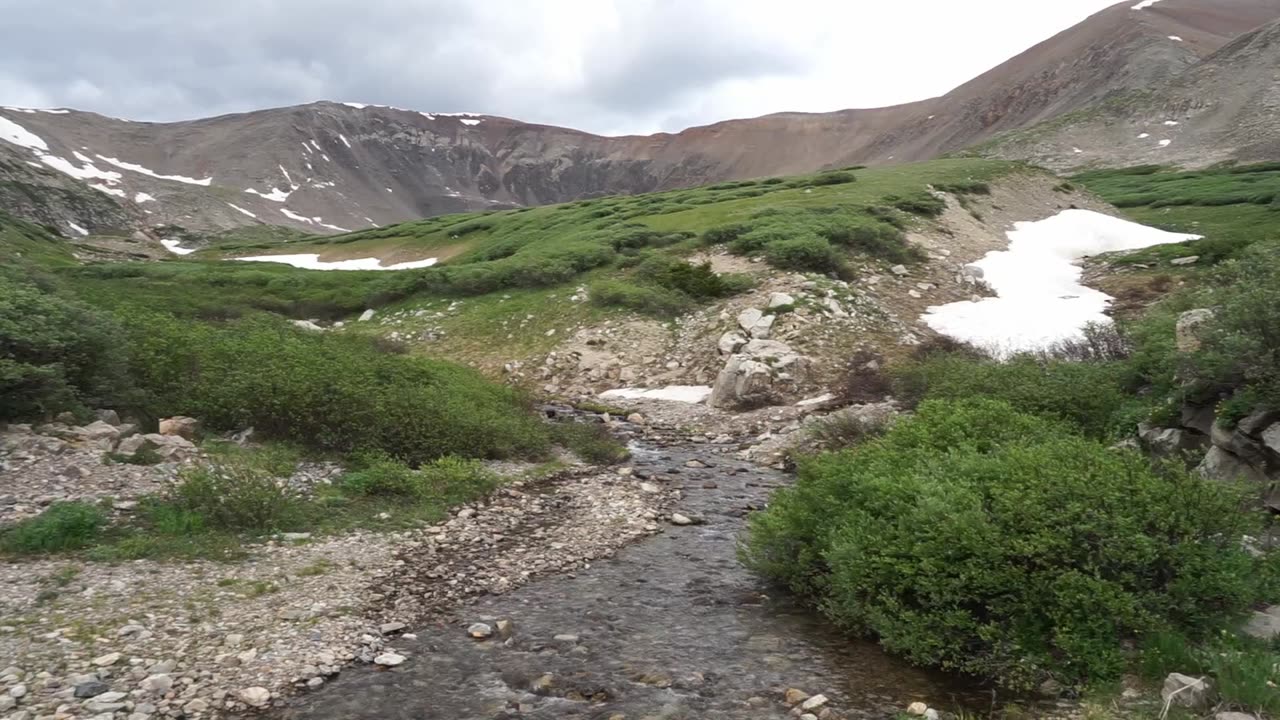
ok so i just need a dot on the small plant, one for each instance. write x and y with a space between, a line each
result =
804 253
591 442
62 527
233 497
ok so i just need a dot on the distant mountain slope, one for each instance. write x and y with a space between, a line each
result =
328 167
1224 108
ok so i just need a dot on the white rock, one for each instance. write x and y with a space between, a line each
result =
107 660
814 702
678 519
480 631
748 318
255 696
367 315
917 708
780 299
389 659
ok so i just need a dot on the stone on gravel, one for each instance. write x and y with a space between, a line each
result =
92 688
17 691
748 318
157 684
678 519
794 696
389 659
480 631
917 708
181 426
391 627
506 629
255 696
107 660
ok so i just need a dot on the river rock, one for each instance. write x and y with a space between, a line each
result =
917 708
367 315
480 631
1185 691
389 659
795 696
107 660
814 702
678 519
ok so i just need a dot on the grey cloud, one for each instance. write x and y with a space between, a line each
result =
174 59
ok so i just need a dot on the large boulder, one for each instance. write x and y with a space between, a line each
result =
753 375
1264 625
1171 442
1190 329
731 342
748 318
181 426
1219 464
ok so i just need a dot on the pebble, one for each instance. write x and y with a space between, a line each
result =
107 660
814 702
678 519
255 696
92 688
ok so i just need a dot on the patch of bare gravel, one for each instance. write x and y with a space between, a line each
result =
200 639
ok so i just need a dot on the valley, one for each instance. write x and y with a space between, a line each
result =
968 408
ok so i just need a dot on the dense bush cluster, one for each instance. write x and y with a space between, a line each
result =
331 392
981 539
56 353
663 286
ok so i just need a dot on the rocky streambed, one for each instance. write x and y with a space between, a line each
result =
670 627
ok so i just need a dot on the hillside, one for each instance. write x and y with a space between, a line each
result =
333 167
1220 109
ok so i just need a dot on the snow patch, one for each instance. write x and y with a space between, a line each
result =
1039 298
77 228
472 123
1175 38
176 248
358 106
674 393
242 211
295 216
143 197
1145 4
323 224
14 133
312 262
287 177
21 110
86 172
1076 150
107 189
276 194
343 138
204 182
1144 136
1165 143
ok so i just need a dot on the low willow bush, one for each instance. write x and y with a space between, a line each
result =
326 392
976 538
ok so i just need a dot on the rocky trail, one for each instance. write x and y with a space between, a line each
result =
672 626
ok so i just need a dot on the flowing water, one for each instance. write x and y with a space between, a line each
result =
672 627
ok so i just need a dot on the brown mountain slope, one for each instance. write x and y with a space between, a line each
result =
326 167
1222 109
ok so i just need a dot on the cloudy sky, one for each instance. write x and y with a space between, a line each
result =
608 66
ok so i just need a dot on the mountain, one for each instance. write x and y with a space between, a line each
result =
330 167
1221 109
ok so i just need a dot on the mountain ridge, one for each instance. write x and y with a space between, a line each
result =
328 167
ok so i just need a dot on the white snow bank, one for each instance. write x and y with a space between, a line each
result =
1145 4
295 216
1165 143
675 393
1175 38
468 121
107 189
204 182
241 210
1039 299
1144 136
312 262
343 138
358 106
86 172
176 248
77 228
143 197
12 132
276 194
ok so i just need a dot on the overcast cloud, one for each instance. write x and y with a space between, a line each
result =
607 66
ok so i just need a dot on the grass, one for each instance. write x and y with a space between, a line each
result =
1232 207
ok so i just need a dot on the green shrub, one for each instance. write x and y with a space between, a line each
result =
381 476
61 527
804 253
922 203
55 354
591 442
978 539
724 233
441 482
325 391
235 497
648 299
1051 388
833 178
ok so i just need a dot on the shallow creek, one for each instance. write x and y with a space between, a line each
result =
672 627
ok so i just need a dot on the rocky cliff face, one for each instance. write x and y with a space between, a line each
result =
329 167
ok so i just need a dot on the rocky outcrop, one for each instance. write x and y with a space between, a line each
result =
1190 326
761 372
